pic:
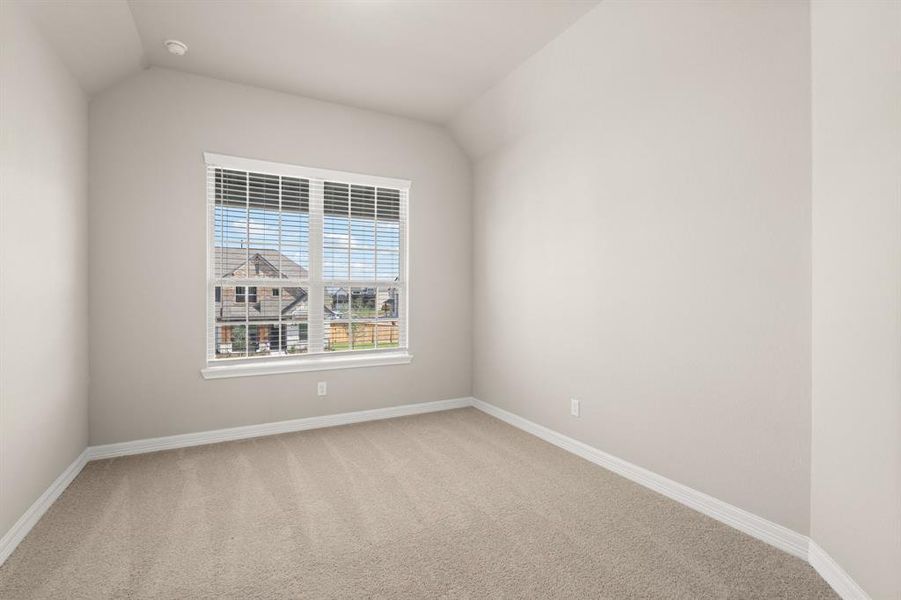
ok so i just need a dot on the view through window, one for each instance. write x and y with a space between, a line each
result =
304 265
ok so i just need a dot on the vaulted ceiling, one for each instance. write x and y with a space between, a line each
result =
424 59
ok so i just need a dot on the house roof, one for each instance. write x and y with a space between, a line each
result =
264 262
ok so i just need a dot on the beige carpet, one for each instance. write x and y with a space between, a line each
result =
444 505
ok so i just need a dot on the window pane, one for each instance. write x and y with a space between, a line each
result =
258 340
261 226
263 221
294 338
362 217
336 198
336 307
387 335
362 264
336 231
295 226
362 202
261 304
388 235
388 205
294 304
362 233
387 302
335 303
363 335
335 263
230 217
231 320
389 266
227 307
294 311
336 337
362 303
230 341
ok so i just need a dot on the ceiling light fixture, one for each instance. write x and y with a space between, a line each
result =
175 47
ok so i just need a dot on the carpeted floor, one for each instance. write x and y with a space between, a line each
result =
444 505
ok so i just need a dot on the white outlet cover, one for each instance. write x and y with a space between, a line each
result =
574 407
322 388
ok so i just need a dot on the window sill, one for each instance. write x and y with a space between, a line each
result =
318 362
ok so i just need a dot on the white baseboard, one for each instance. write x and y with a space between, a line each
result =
34 513
18 531
834 574
772 533
186 440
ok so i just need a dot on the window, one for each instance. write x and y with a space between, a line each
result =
326 252
240 296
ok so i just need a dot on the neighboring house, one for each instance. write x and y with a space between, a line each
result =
365 301
239 307
264 304
339 296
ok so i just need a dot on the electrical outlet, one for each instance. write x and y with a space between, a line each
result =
322 388
574 407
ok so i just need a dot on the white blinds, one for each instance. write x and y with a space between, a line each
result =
303 261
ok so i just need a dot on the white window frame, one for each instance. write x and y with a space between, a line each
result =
219 368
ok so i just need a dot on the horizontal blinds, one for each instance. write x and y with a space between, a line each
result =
303 265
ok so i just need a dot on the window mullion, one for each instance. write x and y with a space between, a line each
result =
315 298
247 264
350 289
403 270
281 272
375 255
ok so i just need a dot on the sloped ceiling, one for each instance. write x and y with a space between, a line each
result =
421 59
96 39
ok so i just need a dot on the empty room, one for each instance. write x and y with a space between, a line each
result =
412 299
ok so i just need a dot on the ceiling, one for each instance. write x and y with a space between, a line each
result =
417 58
97 39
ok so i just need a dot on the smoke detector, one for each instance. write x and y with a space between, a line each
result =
175 47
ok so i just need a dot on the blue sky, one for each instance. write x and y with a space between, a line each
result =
351 246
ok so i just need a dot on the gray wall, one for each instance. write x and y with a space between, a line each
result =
43 267
856 483
642 242
148 253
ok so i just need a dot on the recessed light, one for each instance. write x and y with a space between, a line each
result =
175 47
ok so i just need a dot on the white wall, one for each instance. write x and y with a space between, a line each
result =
856 483
43 266
148 252
642 242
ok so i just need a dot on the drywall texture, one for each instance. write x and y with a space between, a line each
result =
642 243
43 266
148 252
856 482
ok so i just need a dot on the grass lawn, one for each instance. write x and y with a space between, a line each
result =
362 346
